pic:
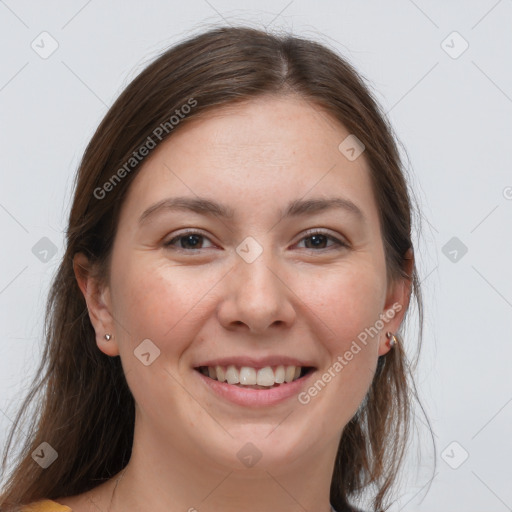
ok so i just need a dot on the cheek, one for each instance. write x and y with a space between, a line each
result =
161 302
347 300
152 301
345 307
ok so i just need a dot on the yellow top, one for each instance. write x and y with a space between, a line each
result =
46 506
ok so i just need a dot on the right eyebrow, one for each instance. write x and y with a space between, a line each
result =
199 205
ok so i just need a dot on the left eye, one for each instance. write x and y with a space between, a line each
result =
192 240
318 239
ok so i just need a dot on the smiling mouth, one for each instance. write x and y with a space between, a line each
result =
252 378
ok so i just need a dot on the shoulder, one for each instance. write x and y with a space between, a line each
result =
45 506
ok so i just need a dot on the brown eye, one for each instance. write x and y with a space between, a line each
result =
319 240
187 241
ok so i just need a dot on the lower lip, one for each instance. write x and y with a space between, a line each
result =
256 397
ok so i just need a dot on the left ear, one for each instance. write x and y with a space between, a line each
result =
397 302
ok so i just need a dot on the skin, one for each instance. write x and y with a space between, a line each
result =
196 304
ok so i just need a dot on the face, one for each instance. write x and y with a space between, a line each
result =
267 277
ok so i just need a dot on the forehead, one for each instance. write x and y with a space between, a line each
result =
271 129
254 155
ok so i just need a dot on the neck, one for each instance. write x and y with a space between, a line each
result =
167 476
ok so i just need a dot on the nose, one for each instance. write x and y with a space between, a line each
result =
257 297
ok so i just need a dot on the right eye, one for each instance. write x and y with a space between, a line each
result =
189 241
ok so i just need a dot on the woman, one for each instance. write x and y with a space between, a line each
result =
222 333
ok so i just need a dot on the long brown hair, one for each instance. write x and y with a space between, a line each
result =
81 404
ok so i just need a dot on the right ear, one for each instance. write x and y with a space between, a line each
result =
99 306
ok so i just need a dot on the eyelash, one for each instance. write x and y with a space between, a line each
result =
308 234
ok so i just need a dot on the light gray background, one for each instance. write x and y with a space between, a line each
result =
453 116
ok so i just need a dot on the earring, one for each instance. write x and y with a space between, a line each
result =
108 337
392 339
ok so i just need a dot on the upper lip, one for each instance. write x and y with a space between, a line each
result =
256 362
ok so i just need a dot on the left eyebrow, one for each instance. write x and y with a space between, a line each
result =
316 205
296 208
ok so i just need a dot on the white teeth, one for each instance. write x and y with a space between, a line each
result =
265 377
232 375
221 374
290 372
247 376
279 374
